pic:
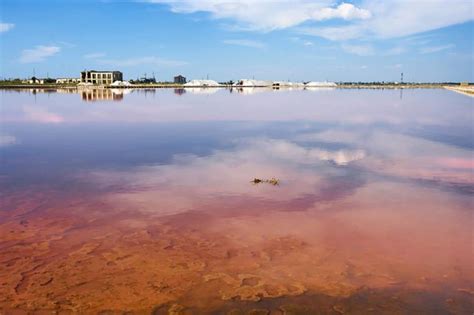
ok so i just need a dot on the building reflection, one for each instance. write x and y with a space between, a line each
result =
66 91
91 95
179 91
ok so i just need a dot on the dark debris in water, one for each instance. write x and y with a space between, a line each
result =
273 181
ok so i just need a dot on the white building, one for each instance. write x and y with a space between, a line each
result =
33 81
101 77
68 80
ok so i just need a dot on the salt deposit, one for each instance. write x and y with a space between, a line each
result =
320 84
121 83
201 83
252 83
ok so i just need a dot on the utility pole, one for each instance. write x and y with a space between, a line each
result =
401 78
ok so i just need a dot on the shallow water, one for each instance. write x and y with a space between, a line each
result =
142 201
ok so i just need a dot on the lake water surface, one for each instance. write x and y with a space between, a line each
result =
142 201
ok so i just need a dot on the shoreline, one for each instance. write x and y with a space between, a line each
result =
464 90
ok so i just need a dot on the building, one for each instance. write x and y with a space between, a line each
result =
34 80
179 91
101 77
179 79
68 80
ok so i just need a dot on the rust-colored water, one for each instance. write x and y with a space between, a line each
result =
143 203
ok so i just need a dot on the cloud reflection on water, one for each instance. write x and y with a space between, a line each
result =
365 199
406 157
344 214
189 178
356 107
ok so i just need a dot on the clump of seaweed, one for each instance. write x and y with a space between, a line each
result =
273 181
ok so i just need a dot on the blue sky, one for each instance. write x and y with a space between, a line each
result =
298 40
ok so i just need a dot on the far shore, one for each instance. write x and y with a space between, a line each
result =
467 90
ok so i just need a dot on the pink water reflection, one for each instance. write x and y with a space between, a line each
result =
147 203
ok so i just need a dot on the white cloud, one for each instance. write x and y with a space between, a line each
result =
333 33
433 49
38 54
301 41
268 15
150 60
395 51
370 18
360 50
344 11
421 39
94 55
5 27
397 18
67 44
244 42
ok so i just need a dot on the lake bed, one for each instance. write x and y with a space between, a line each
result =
143 201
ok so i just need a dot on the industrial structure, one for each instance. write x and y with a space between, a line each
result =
101 77
33 80
179 79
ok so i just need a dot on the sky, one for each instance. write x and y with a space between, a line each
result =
297 40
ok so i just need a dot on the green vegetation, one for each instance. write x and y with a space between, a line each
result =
12 82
